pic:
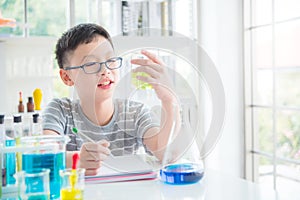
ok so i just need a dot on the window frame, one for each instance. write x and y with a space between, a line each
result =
250 71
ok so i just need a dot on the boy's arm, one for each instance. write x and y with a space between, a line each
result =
91 155
156 139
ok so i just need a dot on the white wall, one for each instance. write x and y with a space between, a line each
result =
220 33
25 64
2 79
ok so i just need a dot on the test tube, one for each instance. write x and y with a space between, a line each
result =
26 124
141 85
2 142
2 129
10 158
36 128
18 133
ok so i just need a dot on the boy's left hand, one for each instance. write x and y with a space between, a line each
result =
158 76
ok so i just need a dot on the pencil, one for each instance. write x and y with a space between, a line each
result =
75 131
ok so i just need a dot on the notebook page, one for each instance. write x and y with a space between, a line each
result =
120 165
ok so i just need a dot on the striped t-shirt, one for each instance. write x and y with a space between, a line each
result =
124 131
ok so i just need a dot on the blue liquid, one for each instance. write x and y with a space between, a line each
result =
10 159
180 174
38 197
52 161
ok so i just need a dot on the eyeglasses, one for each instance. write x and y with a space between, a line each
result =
96 67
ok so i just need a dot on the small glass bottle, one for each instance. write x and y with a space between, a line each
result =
30 105
20 106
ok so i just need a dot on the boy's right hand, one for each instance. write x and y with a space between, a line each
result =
91 156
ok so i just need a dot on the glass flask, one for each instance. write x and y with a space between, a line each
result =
182 163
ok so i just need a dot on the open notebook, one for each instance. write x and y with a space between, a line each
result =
123 168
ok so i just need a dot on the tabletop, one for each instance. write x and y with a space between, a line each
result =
213 186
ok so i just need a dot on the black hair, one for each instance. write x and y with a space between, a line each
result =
79 34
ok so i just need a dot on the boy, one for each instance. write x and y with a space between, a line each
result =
86 59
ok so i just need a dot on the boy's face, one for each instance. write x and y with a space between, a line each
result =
98 86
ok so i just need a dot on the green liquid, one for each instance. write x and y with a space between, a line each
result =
138 83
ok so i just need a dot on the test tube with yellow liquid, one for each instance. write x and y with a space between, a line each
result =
138 83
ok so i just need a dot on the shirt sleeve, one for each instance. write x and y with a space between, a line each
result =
54 116
146 119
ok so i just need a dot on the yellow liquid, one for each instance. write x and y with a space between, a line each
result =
19 155
69 193
140 84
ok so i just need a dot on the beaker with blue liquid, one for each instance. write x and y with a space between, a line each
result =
53 159
33 184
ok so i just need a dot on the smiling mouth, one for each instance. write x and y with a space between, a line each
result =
105 83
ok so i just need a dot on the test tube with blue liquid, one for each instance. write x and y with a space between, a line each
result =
12 138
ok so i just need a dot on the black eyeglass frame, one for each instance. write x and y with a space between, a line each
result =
100 65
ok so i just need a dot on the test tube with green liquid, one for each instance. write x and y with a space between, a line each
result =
18 133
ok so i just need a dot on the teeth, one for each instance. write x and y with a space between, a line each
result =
106 83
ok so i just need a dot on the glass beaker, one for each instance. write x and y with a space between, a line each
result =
54 158
33 184
72 184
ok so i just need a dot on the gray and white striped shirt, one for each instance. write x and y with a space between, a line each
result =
124 131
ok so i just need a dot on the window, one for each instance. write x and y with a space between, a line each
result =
12 9
42 17
29 48
272 73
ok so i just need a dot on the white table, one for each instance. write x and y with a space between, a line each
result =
213 186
